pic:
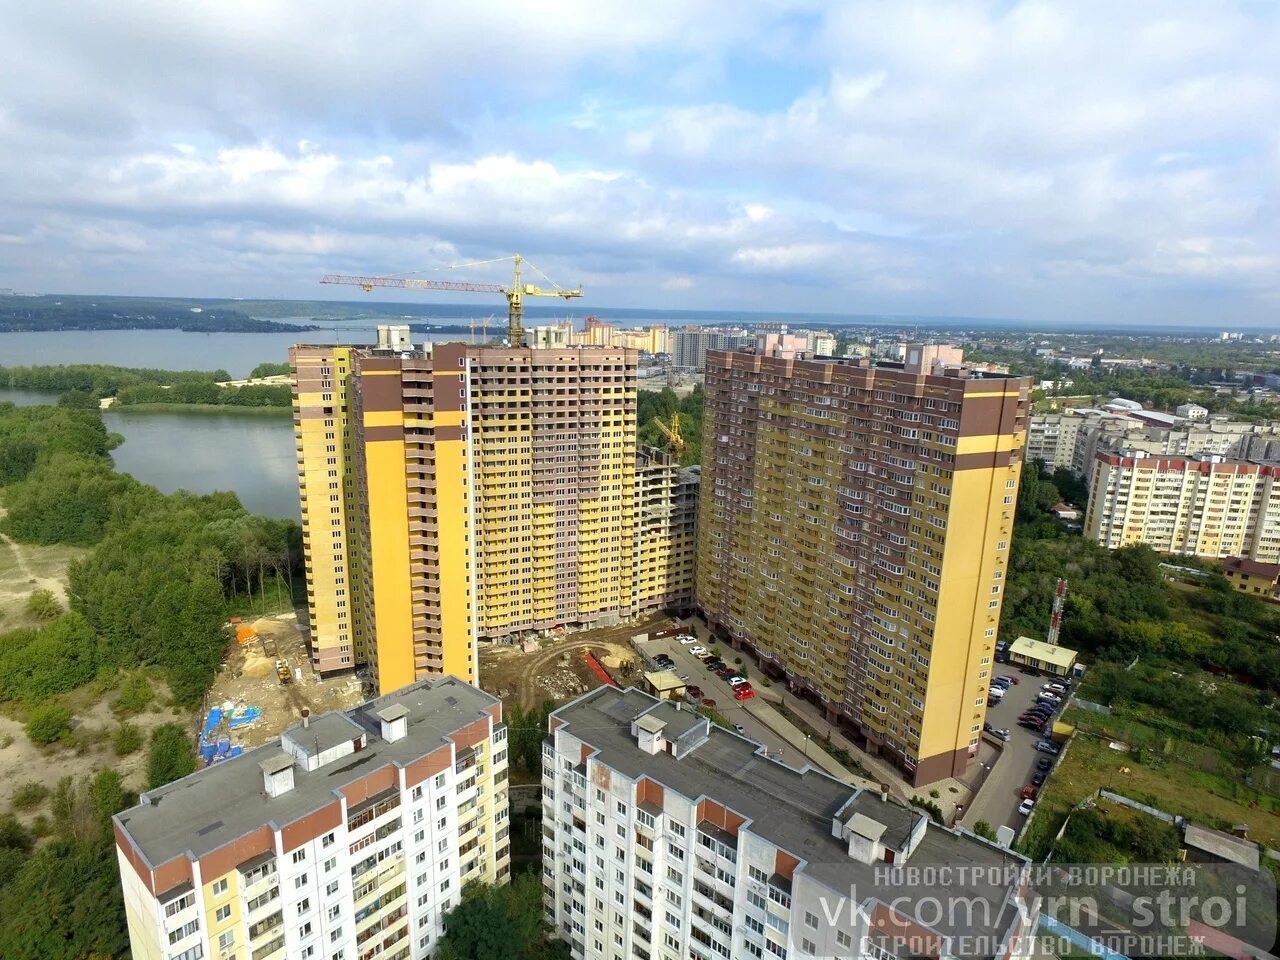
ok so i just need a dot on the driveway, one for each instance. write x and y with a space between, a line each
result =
997 801
718 690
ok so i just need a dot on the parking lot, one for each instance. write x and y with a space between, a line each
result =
719 690
997 801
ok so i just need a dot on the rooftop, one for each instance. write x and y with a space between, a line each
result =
1223 846
1252 568
792 808
1045 652
212 807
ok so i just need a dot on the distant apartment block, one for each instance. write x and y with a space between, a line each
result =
667 836
854 530
1205 507
689 345
666 516
476 493
351 836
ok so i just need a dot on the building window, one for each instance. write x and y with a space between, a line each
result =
220 887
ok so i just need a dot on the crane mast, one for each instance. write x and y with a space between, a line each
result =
515 293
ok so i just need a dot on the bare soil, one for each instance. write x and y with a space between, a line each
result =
26 568
558 670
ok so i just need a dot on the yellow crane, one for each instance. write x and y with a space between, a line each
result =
672 433
515 293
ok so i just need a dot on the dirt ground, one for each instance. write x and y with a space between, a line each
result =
248 679
557 670
25 568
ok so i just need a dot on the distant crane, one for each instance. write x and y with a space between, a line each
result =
515 293
674 440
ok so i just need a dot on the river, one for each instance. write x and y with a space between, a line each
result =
249 453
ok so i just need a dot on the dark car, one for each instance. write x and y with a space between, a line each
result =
1032 716
1044 763
1039 778
724 673
694 692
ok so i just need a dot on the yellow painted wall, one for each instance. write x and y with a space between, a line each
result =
389 550
455 556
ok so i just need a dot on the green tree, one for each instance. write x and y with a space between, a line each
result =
49 723
43 605
505 922
170 755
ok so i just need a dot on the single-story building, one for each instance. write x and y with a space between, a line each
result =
1065 511
1040 655
664 684
1252 576
1214 846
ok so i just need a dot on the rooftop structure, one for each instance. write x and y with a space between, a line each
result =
1042 655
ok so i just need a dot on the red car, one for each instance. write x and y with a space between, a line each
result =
1029 792
743 693
708 702
694 693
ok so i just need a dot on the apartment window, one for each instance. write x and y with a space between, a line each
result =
810 920
186 930
226 941
843 939
222 914
304 905
300 855
308 952
299 881
220 887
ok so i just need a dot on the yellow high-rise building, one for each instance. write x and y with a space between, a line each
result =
854 530
483 493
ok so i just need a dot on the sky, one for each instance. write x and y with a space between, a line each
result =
1076 161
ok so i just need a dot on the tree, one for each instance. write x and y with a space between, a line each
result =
983 829
49 723
170 755
505 922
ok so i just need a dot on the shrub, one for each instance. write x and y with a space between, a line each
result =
41 826
126 740
43 605
134 697
29 795
48 724
983 829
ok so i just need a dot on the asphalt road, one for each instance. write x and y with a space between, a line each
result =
997 802
720 691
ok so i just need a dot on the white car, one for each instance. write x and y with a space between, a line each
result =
686 640
736 682
1024 808
697 651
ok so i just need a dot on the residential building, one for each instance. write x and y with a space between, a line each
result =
481 493
665 835
1051 439
1192 411
666 515
1252 577
1202 506
550 335
350 836
854 530
689 345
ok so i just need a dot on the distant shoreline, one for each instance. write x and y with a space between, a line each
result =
199 408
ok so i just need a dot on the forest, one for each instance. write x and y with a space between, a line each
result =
127 313
84 384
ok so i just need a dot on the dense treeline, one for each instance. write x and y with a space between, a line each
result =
29 435
129 385
127 313
1120 607
663 404
270 370
156 587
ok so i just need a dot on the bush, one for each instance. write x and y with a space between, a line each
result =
134 697
43 605
126 740
169 757
29 795
983 829
48 724
41 826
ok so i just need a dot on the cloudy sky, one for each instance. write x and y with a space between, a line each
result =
1053 161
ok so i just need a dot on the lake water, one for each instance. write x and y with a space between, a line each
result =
237 353
251 454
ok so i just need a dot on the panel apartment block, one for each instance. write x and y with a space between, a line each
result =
854 530
667 836
351 836
1205 507
327 493
666 505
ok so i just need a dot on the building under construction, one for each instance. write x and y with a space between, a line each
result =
455 493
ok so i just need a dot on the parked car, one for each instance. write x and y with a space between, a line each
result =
1057 688
1048 698
683 676
743 693
1029 791
1044 763
697 651
685 640
739 728
1009 677
724 673
1047 746
736 681
1039 778
1004 735
1000 682
1032 715
694 692
1026 806
708 702
1032 725
987 728
715 663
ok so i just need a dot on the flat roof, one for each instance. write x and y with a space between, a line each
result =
214 806
791 808
663 680
1045 652
1224 846
325 732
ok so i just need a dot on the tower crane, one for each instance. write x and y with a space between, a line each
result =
515 293
672 433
